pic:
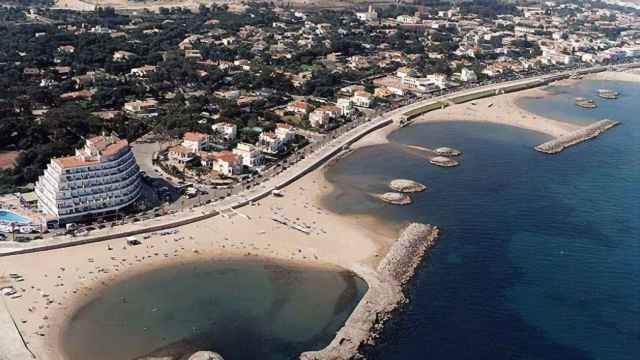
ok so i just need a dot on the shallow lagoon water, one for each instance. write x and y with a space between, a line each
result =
539 255
242 309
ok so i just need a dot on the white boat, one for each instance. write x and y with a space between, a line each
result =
276 192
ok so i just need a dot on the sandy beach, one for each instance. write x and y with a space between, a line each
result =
57 282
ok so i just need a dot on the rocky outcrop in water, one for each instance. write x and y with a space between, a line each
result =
406 186
206 355
394 198
443 161
575 137
447 151
384 296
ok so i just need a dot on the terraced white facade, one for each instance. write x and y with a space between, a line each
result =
102 177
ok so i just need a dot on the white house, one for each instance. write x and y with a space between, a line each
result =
195 141
370 15
362 98
345 105
321 116
224 162
285 132
299 107
467 75
226 130
249 154
142 108
143 71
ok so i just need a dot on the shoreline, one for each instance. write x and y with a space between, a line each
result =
504 109
362 245
89 268
87 298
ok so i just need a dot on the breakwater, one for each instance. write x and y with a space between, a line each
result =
386 285
575 137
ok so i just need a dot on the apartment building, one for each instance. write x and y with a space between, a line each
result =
100 178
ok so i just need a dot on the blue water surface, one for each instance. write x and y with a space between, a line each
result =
11 217
539 256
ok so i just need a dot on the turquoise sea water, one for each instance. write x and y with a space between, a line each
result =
539 256
241 309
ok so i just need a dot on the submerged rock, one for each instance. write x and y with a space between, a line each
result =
406 186
206 355
447 151
443 161
394 198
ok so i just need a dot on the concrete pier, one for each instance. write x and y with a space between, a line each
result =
583 134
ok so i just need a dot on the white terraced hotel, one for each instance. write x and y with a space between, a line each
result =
101 178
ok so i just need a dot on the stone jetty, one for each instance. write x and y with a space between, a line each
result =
406 253
385 294
575 137
406 186
394 198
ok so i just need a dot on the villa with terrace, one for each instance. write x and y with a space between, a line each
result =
101 178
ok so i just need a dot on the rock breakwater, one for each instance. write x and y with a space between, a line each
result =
394 198
575 137
406 186
406 253
385 294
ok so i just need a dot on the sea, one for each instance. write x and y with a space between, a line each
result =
538 258
539 255
242 309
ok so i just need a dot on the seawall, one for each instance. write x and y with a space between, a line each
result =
583 134
385 294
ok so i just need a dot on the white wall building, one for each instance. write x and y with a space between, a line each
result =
195 141
250 155
100 178
468 75
226 130
370 15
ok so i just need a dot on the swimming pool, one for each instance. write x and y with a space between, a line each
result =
11 217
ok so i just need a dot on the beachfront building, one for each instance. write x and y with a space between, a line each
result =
223 162
362 98
269 143
346 106
322 116
251 156
195 141
179 156
467 75
100 178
